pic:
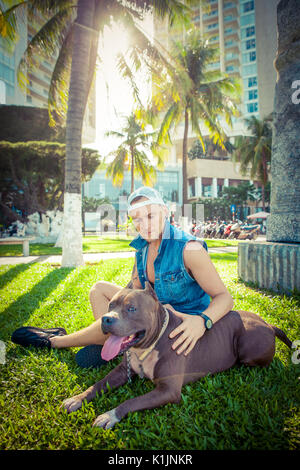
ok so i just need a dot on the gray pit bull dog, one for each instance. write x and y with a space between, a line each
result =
139 326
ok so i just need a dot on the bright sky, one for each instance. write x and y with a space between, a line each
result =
117 99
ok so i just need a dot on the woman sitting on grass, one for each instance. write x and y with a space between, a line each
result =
180 271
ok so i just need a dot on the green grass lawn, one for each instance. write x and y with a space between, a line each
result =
242 408
91 244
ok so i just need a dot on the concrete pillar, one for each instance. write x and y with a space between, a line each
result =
214 187
270 265
198 186
275 264
283 225
25 247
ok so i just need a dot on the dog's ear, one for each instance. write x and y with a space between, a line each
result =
149 289
129 285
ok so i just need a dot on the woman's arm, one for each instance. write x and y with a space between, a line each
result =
134 282
200 266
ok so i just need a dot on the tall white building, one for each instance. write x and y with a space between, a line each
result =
245 34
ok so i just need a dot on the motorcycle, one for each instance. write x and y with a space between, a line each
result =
235 230
249 232
220 230
227 230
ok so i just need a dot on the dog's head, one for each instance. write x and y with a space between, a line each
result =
134 317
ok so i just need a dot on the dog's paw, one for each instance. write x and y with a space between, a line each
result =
106 420
72 404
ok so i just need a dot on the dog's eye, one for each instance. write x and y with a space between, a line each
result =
131 308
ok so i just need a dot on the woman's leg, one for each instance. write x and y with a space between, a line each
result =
100 295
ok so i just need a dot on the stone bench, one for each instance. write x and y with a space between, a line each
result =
18 241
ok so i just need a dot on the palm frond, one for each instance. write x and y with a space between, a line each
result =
45 43
8 21
169 119
115 169
60 79
143 168
126 72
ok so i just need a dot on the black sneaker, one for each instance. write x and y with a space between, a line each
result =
90 356
37 337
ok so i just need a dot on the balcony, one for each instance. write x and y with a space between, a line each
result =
232 70
211 15
231 33
232 58
211 28
232 46
230 8
213 66
230 20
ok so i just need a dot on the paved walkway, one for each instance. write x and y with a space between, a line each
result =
91 257
96 257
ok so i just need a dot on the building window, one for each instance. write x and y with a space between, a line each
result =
209 15
252 95
250 44
252 81
29 99
212 26
207 190
252 107
248 6
250 31
249 57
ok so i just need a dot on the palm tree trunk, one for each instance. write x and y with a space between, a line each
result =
265 179
72 230
184 160
132 182
132 169
263 198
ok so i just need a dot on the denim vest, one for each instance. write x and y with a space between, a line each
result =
173 285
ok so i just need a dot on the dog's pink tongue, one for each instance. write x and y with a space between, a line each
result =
112 347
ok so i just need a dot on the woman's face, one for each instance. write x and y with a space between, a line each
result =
149 220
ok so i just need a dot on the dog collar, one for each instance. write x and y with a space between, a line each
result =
146 353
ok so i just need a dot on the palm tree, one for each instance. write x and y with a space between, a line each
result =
131 154
253 152
191 93
74 28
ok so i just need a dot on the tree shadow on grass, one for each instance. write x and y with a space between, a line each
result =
18 268
14 271
17 313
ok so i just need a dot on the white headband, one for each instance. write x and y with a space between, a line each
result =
144 203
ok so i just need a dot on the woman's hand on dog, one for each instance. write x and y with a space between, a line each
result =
192 328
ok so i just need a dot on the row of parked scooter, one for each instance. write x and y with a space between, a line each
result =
221 230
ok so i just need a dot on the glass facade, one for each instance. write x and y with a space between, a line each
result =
167 183
7 69
249 65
